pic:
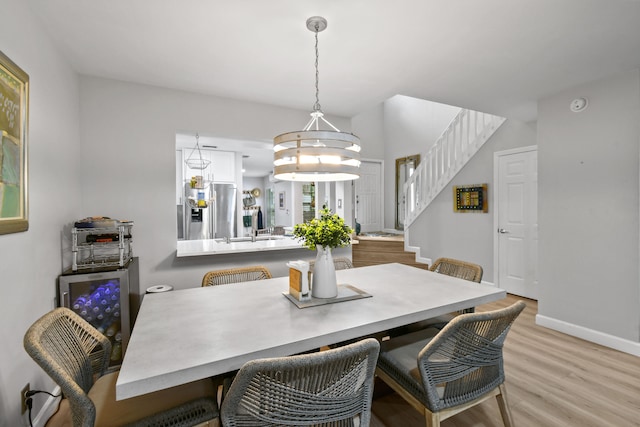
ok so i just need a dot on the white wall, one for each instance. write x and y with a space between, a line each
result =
128 145
31 261
284 216
588 172
441 232
369 126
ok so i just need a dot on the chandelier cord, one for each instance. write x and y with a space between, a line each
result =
316 106
198 145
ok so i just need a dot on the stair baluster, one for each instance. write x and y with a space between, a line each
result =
457 144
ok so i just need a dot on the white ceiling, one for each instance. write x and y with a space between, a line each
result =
497 56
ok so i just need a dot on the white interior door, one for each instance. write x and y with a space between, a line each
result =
368 197
516 221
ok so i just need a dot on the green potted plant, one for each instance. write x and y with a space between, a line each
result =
323 234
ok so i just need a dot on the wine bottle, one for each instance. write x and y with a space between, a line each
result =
113 329
260 224
116 352
80 302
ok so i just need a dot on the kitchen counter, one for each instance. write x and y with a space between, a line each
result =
189 248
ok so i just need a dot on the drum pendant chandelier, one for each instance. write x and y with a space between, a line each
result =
313 154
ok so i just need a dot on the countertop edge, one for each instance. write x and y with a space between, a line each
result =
194 248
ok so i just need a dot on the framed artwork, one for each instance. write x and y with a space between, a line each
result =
470 198
14 105
281 200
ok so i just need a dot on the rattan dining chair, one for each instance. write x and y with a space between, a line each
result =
225 277
339 263
456 268
235 275
444 372
451 267
332 387
460 269
76 357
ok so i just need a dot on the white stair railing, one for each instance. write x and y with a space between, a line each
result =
464 136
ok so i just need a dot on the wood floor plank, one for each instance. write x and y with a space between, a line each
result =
552 380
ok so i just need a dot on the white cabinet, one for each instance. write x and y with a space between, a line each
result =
223 165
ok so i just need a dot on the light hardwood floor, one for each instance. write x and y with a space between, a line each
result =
552 380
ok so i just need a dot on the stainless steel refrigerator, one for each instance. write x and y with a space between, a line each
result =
210 212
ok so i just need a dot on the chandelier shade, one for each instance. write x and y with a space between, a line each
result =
314 154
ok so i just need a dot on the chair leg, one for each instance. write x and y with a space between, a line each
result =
504 406
432 418
226 383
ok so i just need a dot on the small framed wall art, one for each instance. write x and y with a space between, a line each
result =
470 198
14 104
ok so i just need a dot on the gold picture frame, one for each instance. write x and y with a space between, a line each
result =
14 114
470 198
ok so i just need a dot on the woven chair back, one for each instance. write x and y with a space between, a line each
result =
235 275
73 353
339 263
324 388
342 263
464 361
456 268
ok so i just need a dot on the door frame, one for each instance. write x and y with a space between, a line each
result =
496 203
400 206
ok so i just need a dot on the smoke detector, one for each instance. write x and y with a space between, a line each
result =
578 104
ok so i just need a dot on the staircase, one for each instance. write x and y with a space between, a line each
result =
464 136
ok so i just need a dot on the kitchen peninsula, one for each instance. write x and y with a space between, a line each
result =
190 248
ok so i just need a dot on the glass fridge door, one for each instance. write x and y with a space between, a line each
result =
102 300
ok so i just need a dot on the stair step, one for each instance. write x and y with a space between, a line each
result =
382 250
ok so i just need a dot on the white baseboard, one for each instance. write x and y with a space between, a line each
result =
597 337
48 409
416 250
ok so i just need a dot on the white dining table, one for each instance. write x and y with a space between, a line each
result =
186 335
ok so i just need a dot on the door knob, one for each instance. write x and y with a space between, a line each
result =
503 231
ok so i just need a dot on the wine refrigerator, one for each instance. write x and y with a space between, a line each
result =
102 299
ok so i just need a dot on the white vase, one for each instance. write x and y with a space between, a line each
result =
324 284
